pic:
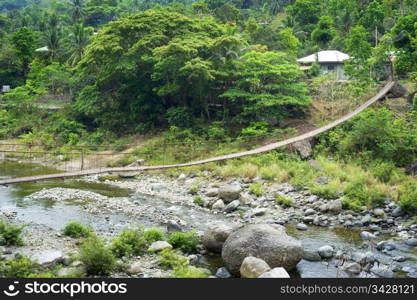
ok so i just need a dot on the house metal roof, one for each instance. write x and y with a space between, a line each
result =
330 56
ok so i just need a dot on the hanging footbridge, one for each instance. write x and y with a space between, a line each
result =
380 95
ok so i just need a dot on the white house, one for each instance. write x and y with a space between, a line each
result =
329 61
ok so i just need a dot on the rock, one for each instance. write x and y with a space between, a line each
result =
268 242
229 193
382 271
223 273
365 235
218 205
363 258
173 227
212 192
301 226
284 188
397 212
379 212
411 242
135 269
253 267
311 255
374 227
366 220
399 258
315 164
246 199
353 268
232 206
412 169
309 212
275 273
322 180
257 212
215 236
70 272
182 177
303 149
159 246
335 206
326 252
385 245
48 258
397 91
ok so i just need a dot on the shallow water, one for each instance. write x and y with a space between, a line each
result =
55 214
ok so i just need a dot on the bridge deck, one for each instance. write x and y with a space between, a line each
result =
260 150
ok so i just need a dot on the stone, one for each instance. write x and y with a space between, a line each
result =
159 246
246 199
276 273
213 192
218 205
309 212
326 252
311 255
303 149
135 269
374 227
363 258
397 212
253 267
365 235
173 227
223 273
322 180
258 212
229 193
366 219
411 242
353 268
48 258
215 236
382 271
379 212
315 164
232 206
385 245
399 258
182 177
302 227
335 206
265 241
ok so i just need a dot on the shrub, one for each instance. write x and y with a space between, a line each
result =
256 189
358 195
194 188
185 241
77 230
130 242
11 234
383 171
199 201
407 197
153 235
189 272
332 190
180 117
168 259
20 267
255 128
284 200
97 257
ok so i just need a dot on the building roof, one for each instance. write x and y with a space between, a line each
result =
330 56
43 49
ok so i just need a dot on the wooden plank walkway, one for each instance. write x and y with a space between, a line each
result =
381 94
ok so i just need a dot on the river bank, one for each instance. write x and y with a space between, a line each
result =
159 200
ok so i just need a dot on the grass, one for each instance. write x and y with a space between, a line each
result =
169 259
11 234
256 189
284 200
77 230
97 257
185 241
198 200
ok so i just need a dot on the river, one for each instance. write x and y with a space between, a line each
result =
55 214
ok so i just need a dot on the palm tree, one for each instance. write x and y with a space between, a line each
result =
53 37
77 11
79 39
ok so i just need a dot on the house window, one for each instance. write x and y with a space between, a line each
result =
330 67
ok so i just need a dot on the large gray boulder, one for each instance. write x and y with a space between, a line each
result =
215 236
303 149
267 242
229 193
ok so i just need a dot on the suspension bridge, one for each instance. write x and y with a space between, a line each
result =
272 146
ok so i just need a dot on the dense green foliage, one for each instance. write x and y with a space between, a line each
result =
77 230
96 256
10 234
